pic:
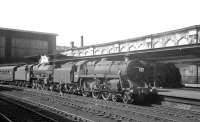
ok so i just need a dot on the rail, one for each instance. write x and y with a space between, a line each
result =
4 117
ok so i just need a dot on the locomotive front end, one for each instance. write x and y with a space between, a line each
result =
139 85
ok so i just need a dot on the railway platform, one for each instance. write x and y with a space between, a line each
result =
180 93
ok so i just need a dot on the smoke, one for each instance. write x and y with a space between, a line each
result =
44 59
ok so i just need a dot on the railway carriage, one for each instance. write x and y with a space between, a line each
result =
7 74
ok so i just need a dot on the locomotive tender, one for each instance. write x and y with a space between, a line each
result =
105 79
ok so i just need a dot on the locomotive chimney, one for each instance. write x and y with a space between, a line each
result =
81 41
72 44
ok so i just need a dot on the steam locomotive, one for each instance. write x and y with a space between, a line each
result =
128 80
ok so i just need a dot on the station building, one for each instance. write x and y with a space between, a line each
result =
15 44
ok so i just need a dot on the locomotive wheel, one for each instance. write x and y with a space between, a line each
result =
114 98
127 98
106 95
85 93
66 88
71 90
96 94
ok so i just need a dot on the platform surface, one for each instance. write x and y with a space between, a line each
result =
180 93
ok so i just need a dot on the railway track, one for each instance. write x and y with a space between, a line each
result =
14 111
157 111
4 118
115 111
160 110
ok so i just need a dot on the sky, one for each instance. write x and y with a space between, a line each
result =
99 21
